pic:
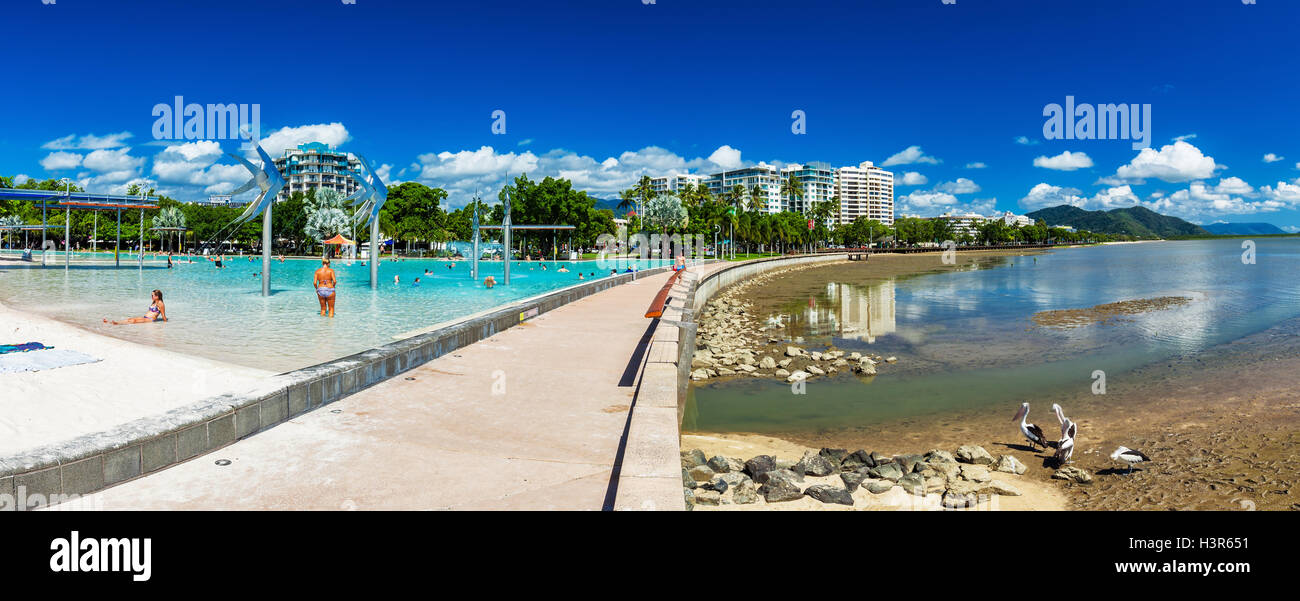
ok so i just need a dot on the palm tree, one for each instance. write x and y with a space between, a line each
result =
792 188
169 217
12 221
627 199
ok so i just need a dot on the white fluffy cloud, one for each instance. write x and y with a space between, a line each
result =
1025 141
1066 161
1046 195
726 157
285 138
1199 201
976 165
933 203
961 186
59 160
486 170
105 161
195 164
926 203
910 155
1175 163
1283 192
88 142
912 178
1272 158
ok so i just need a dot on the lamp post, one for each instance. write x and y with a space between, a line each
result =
67 225
473 273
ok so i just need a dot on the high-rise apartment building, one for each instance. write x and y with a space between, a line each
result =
316 165
865 191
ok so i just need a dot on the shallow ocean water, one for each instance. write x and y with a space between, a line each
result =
964 339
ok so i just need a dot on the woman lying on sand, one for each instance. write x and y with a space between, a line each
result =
157 312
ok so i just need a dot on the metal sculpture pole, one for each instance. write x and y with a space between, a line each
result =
266 251
372 196
269 180
374 254
505 229
473 272
141 248
67 238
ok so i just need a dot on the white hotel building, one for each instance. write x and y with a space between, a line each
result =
967 223
864 190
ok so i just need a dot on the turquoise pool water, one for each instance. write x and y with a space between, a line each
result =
965 339
221 313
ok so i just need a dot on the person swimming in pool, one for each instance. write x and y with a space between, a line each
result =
489 281
157 311
325 282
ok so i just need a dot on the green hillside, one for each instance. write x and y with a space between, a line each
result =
1138 222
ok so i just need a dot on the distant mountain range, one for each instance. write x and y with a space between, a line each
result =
1139 222
608 203
1243 229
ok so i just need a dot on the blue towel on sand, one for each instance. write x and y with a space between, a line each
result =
43 360
5 349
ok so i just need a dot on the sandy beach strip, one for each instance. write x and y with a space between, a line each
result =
130 382
1035 495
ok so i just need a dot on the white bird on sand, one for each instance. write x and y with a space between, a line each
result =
1032 432
1060 417
1065 447
1129 456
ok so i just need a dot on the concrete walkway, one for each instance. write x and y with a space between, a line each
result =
531 418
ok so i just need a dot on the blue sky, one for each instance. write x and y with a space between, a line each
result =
603 90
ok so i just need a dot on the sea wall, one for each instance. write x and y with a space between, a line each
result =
650 473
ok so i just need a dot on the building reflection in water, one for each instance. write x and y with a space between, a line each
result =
844 311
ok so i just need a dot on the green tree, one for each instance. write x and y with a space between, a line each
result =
665 212
413 212
326 217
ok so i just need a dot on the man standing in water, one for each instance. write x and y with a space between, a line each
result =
324 283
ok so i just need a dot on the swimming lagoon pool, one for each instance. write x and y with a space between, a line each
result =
221 313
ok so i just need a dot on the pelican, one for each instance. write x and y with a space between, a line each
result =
1129 456
1032 432
1060 417
1065 447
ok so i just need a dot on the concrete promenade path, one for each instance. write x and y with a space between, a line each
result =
531 418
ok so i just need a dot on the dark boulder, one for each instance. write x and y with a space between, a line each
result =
863 457
768 476
852 480
834 456
908 462
693 458
829 494
780 486
759 465
814 464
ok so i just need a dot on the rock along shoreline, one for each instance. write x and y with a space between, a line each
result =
734 341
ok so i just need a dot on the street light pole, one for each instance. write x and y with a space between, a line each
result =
67 226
